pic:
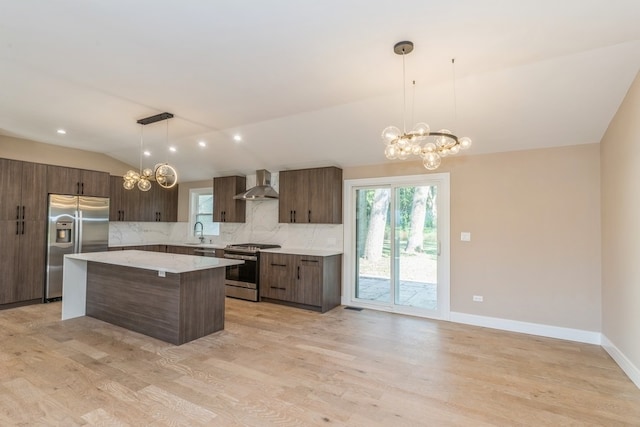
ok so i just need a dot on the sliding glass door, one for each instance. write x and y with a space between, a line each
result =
397 232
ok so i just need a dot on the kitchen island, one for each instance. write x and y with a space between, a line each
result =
175 298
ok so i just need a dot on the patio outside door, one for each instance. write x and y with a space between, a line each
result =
398 245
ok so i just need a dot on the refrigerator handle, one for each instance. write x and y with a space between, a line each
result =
75 233
79 234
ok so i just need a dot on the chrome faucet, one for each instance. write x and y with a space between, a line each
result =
195 227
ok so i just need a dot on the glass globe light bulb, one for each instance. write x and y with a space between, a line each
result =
144 184
416 149
147 173
390 134
128 184
465 142
455 149
431 161
391 151
403 154
429 147
403 142
421 130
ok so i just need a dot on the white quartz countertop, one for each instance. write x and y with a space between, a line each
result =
158 261
304 251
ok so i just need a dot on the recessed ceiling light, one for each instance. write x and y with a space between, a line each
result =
237 138
61 131
147 153
173 149
202 144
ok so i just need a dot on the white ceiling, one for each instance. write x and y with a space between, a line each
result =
309 82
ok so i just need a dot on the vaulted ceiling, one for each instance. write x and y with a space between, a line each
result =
310 82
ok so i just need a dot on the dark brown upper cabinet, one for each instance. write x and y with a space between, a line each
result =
156 205
225 207
77 182
311 196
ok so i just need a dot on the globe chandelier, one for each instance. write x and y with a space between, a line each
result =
420 141
164 174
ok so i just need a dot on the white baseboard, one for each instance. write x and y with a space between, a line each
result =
632 371
569 334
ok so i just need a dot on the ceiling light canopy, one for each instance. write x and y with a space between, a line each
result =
164 174
420 141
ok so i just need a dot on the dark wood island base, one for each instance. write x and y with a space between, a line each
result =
177 308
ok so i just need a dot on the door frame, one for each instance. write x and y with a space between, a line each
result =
444 219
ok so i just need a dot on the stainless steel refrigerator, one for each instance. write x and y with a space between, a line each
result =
77 224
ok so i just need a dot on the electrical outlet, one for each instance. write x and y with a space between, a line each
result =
465 236
478 298
162 273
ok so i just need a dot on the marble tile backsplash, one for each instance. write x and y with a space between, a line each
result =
261 226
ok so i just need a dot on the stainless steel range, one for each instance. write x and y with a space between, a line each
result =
242 281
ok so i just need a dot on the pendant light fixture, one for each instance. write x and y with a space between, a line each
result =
420 141
163 173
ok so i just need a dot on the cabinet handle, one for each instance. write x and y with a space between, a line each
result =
278 265
294 216
23 212
22 227
290 216
77 187
18 212
298 272
17 227
309 216
82 185
309 260
275 287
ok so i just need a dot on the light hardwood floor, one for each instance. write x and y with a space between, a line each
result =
274 365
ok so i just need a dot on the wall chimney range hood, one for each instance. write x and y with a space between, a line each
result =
262 189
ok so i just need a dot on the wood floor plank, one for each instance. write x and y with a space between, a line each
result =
276 365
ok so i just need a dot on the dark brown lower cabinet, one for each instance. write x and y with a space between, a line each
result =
277 277
183 250
311 282
22 262
23 219
176 308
